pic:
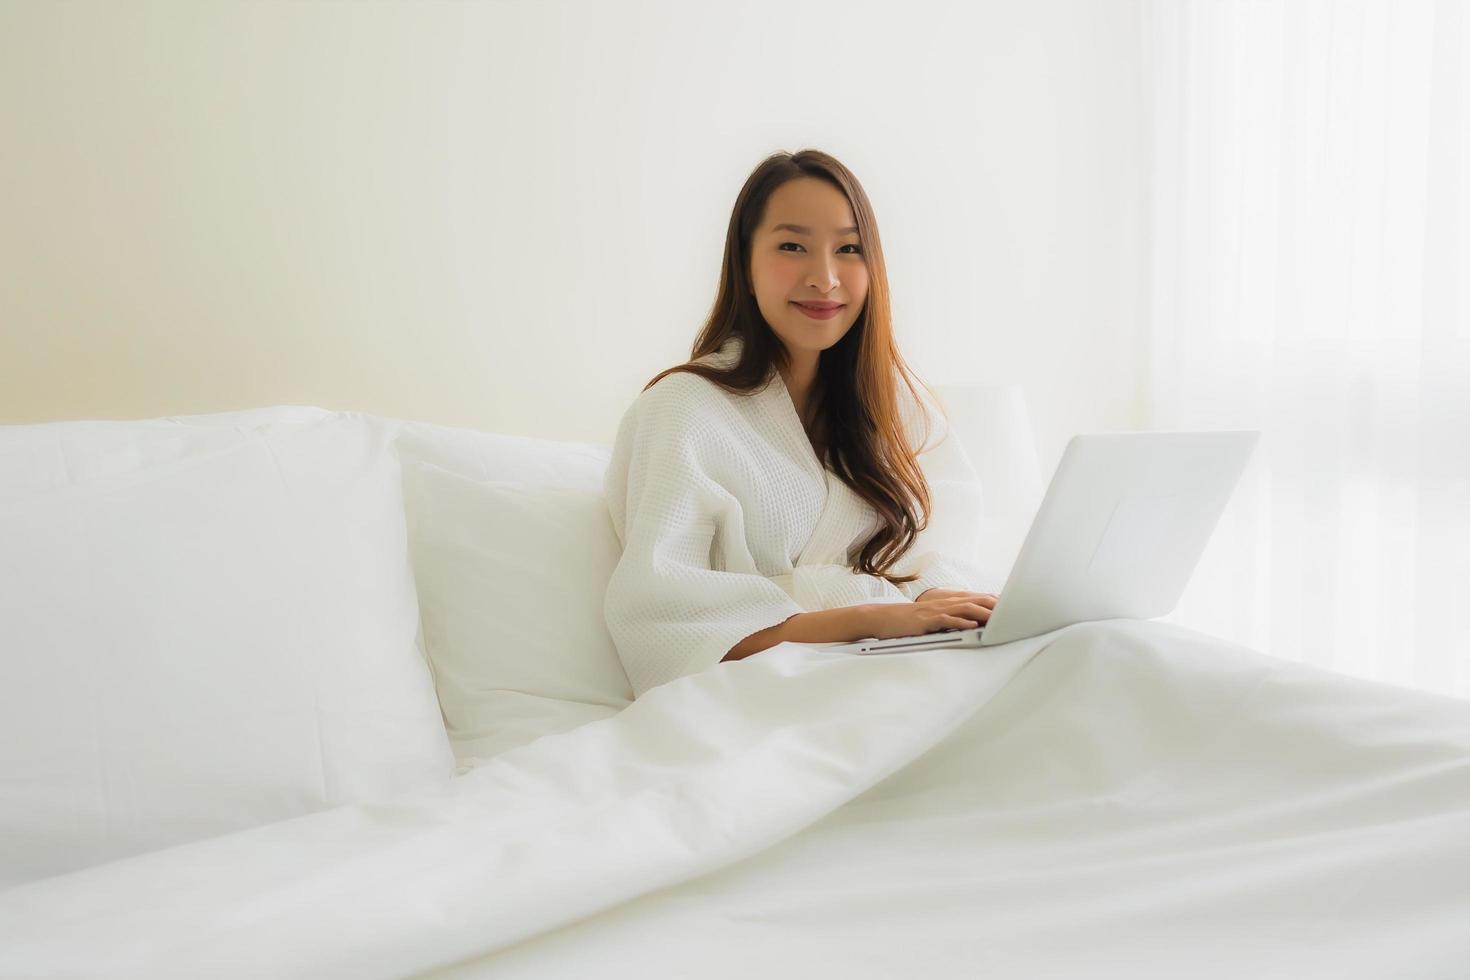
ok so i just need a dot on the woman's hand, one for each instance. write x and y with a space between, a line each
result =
934 610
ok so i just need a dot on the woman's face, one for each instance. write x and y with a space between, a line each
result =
807 250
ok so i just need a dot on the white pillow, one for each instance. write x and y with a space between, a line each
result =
202 630
511 580
46 456
502 457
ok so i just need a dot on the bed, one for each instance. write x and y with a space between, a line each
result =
1117 798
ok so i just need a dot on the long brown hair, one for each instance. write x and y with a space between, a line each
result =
859 425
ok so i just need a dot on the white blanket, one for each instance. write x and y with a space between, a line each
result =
1111 799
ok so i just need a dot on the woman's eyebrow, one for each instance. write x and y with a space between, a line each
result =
804 230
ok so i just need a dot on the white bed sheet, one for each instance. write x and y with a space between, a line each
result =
1140 801
1118 798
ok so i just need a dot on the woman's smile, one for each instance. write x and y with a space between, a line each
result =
819 314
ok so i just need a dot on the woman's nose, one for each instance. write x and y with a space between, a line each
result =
824 276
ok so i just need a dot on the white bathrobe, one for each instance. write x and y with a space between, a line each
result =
730 524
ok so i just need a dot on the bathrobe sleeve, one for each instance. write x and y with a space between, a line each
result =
946 554
671 612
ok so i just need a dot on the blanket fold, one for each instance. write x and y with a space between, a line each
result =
694 775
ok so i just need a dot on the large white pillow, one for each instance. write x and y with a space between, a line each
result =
502 457
202 629
511 580
46 456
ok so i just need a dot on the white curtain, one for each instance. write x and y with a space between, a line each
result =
1310 278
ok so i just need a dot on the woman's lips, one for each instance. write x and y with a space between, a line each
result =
826 314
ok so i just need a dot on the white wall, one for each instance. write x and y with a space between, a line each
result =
510 215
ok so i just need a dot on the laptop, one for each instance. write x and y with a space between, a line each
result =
1117 536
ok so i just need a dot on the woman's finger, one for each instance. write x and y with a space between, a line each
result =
967 606
985 599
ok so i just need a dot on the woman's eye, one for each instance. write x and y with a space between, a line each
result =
859 249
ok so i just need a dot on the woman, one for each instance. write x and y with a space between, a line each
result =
773 488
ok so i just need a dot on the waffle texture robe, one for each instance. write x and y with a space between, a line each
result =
730 523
